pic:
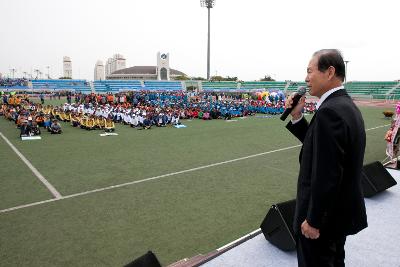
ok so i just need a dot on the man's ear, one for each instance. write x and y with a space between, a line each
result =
331 72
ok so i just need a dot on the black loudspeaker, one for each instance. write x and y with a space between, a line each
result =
277 226
147 260
376 179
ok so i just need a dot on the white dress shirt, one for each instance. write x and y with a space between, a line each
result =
320 101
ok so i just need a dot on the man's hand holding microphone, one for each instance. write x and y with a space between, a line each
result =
294 104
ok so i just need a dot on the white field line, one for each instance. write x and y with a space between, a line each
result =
30 205
49 186
157 177
386 125
254 233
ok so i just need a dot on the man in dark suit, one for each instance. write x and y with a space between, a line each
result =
330 203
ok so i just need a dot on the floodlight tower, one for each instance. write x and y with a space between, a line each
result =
13 71
37 71
48 72
208 4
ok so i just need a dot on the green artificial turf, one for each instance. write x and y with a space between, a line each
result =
176 216
18 185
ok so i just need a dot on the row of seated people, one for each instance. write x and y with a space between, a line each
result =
92 116
234 105
43 115
143 118
145 121
89 116
29 121
14 99
18 115
191 108
8 82
117 112
90 122
105 118
29 129
132 116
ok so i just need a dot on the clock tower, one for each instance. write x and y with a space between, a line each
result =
163 70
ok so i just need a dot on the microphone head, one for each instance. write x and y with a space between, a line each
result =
301 90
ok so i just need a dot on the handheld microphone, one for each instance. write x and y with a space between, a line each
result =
300 92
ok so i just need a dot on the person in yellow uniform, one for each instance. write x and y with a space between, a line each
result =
61 116
84 122
90 123
75 120
110 126
101 122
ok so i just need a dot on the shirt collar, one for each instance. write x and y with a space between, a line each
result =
326 94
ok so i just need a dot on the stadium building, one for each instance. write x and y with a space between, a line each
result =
117 62
160 72
99 70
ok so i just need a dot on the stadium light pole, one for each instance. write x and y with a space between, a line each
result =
208 4
345 74
13 71
37 71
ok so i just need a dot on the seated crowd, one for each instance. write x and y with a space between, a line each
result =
29 118
141 110
8 82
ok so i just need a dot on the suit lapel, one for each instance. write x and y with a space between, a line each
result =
307 135
313 118
341 92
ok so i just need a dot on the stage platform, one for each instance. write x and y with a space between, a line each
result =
376 246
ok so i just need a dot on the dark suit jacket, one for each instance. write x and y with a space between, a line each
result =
329 192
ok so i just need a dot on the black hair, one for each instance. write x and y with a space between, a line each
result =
331 57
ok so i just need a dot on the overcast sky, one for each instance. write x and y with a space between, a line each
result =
249 39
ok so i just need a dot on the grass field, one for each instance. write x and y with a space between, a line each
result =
183 211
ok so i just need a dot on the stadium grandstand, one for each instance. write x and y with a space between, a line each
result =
14 84
163 85
389 90
219 86
115 86
374 90
82 86
272 85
